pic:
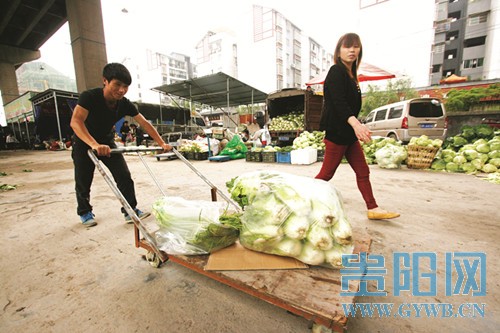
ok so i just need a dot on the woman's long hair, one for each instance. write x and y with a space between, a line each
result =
349 40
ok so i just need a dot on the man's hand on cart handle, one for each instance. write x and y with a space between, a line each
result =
102 150
166 147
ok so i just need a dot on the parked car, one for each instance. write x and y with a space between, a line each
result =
411 118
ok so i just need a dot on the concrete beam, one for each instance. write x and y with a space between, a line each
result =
17 56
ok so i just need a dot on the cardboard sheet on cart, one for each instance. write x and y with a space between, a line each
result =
238 258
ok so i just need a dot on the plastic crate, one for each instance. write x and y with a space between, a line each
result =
420 157
304 156
268 156
283 157
253 156
199 156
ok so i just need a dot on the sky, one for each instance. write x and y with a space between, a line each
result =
168 26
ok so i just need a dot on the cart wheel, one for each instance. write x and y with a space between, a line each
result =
158 159
153 259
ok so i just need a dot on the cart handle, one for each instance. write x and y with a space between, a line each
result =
122 150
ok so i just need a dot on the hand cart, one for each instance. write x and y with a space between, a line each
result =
173 140
312 293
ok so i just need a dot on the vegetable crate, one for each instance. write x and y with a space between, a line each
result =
310 293
253 156
420 157
283 157
268 156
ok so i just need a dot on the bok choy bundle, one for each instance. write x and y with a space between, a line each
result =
197 227
292 216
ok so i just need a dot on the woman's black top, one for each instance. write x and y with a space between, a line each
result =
342 99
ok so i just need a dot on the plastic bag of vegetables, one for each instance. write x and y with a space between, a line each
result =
391 156
194 227
292 216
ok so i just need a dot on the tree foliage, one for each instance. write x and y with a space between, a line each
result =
395 91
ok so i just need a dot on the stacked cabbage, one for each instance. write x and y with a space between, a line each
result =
475 149
292 216
289 122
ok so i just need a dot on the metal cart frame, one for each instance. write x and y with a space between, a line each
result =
311 293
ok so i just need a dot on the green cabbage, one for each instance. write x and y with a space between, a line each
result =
494 145
470 154
459 160
438 164
489 168
483 148
495 162
493 154
452 167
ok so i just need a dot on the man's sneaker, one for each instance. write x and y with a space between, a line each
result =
138 212
88 219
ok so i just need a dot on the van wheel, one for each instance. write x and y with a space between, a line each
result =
392 136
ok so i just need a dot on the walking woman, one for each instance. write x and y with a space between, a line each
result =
342 103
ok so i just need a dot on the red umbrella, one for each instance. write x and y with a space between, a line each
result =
366 72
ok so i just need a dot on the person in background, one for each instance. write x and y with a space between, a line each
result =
245 135
343 131
137 133
310 90
124 131
93 118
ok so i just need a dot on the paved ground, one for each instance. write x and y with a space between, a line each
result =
58 276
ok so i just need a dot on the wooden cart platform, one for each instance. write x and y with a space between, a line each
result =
312 293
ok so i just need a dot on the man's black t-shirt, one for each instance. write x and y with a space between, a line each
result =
101 118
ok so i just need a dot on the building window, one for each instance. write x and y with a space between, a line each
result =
263 23
477 19
438 48
477 41
436 68
455 16
473 63
450 54
452 35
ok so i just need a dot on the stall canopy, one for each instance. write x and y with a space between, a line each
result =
366 72
453 79
53 109
217 90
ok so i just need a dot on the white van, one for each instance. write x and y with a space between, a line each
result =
411 118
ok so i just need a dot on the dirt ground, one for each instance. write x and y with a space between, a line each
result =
58 276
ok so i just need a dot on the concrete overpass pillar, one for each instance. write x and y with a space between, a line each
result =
87 41
10 57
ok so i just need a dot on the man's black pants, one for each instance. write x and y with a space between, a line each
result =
84 174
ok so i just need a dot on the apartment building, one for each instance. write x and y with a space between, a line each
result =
271 52
466 37
156 69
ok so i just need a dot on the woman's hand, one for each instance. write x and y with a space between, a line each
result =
361 131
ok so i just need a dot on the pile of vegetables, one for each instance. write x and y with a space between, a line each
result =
194 227
193 146
475 149
293 216
424 141
312 139
391 156
370 148
288 122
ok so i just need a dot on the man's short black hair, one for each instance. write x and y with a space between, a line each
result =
117 71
